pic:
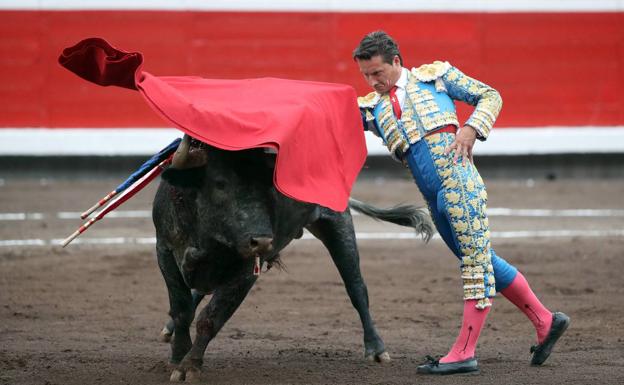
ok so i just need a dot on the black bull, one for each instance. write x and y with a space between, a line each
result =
212 222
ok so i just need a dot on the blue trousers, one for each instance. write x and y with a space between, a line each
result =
456 198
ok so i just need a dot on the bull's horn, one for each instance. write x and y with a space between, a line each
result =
181 154
188 157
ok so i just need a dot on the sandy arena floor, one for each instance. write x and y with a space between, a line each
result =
91 313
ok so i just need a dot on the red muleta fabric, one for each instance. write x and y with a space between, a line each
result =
315 127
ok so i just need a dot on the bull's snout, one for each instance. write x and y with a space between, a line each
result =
260 246
257 246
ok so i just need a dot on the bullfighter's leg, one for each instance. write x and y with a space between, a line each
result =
180 302
335 230
224 302
511 283
457 200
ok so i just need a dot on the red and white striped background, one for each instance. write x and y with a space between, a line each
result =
556 63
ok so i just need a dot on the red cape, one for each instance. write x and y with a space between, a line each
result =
315 127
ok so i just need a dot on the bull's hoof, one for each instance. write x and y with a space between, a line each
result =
165 335
383 357
177 376
185 375
192 375
379 357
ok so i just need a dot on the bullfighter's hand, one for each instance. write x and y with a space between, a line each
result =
463 144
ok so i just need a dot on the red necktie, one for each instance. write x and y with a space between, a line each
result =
396 106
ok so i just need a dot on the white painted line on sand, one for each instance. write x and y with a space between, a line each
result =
500 234
24 242
21 216
493 212
507 212
113 214
307 236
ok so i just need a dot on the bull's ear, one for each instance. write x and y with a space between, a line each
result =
190 177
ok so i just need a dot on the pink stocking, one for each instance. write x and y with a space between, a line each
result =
466 343
520 294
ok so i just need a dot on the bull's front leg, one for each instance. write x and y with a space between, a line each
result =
180 302
336 232
224 302
167 331
192 256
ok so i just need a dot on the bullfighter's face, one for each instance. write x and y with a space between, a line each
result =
381 76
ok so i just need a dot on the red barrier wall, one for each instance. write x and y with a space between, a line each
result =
551 68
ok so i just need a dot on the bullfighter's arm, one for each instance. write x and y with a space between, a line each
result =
461 87
487 100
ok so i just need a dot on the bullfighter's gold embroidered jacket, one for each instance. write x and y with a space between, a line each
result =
430 92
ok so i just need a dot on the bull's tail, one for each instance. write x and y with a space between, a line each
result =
403 215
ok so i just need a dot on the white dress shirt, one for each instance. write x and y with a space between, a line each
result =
401 84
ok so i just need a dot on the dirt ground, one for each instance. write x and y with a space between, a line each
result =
91 314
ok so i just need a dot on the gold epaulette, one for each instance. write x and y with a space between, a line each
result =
368 101
430 72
